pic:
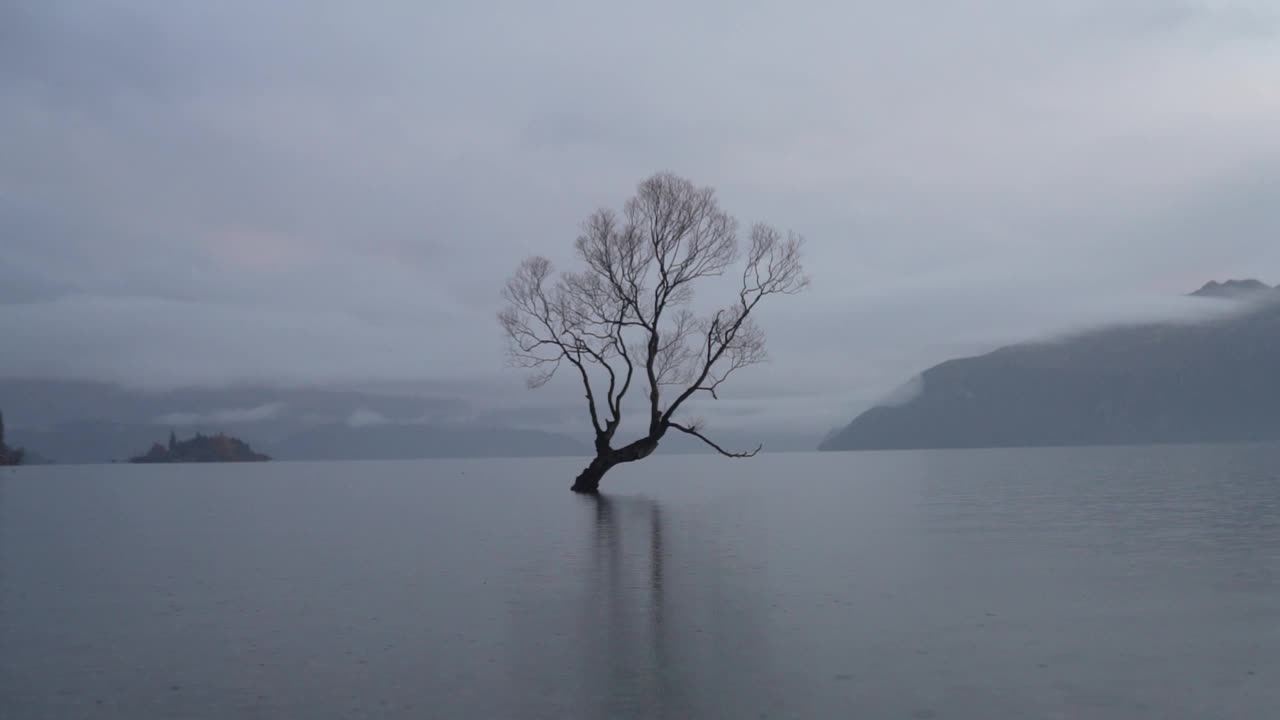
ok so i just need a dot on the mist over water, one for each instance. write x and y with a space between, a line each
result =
1101 583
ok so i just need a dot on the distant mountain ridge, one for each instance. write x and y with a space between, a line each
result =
416 442
94 422
1233 289
1210 381
71 421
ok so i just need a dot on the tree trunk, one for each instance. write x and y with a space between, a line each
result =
588 481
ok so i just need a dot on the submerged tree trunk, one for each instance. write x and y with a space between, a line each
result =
588 481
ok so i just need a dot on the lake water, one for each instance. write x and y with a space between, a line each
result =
1055 583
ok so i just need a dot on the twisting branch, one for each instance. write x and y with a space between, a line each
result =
693 430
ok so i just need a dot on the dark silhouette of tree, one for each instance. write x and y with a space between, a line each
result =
8 455
201 448
628 313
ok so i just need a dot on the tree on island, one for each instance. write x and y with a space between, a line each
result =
200 449
9 456
628 312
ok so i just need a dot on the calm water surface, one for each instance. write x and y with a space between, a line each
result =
1061 583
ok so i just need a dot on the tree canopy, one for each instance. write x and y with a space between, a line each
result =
626 318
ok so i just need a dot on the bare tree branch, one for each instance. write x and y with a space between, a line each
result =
773 267
693 430
538 326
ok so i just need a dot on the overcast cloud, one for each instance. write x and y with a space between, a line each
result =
295 192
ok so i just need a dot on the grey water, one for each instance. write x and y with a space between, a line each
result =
1048 583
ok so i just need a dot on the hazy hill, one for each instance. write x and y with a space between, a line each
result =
87 441
410 442
1212 381
269 412
1232 289
94 422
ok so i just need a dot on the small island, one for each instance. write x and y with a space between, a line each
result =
201 449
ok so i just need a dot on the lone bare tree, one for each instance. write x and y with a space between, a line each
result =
628 313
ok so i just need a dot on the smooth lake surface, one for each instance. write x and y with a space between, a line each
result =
1048 583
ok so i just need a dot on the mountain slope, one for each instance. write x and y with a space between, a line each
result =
1214 381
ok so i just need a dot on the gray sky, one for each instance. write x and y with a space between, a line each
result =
204 192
